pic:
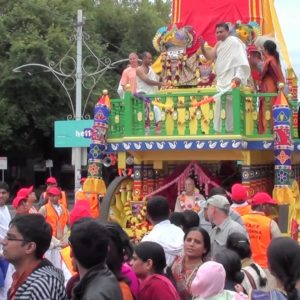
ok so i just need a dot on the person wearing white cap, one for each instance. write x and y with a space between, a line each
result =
217 212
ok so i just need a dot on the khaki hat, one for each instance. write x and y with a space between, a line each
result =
218 201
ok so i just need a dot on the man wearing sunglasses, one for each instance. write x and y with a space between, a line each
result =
24 246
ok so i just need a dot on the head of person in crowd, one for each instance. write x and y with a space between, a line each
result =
53 194
217 190
80 210
133 60
263 202
177 219
119 248
232 265
209 280
20 204
240 244
29 194
284 261
4 193
50 182
239 193
158 209
222 31
89 243
255 57
217 209
196 243
126 243
270 48
189 186
146 59
115 253
27 239
148 258
191 219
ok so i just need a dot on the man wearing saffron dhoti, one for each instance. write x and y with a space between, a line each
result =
231 66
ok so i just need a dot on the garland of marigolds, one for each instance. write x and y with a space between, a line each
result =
138 223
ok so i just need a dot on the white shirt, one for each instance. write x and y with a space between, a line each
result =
169 236
5 217
143 87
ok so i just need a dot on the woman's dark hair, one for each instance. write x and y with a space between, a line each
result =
232 265
284 263
239 243
206 239
271 48
153 251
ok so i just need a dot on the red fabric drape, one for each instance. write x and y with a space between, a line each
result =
203 15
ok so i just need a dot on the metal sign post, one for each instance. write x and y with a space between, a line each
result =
3 166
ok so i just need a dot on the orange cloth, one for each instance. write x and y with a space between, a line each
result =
58 223
242 210
93 200
259 229
129 77
271 75
125 289
66 257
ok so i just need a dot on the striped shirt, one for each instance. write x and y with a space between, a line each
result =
45 283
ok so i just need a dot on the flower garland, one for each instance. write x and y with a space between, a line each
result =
138 223
182 201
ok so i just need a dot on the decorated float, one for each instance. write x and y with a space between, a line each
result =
151 163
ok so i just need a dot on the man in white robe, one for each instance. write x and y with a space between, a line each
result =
231 66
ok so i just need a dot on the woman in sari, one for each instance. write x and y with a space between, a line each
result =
270 77
184 269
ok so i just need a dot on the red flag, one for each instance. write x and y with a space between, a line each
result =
205 14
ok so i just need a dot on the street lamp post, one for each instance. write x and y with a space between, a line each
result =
77 76
78 100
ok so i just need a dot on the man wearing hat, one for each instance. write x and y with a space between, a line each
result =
239 196
261 228
218 213
51 182
56 214
20 205
30 195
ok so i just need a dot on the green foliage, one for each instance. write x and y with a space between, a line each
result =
40 31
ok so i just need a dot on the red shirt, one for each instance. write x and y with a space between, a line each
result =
157 287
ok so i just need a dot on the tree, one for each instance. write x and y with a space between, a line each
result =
39 31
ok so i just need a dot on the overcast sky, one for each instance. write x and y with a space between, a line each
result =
288 12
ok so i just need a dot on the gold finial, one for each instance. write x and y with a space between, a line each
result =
280 86
105 92
128 87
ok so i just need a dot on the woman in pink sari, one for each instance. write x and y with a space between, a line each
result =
270 77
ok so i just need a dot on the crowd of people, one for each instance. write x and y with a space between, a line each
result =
51 253
234 65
